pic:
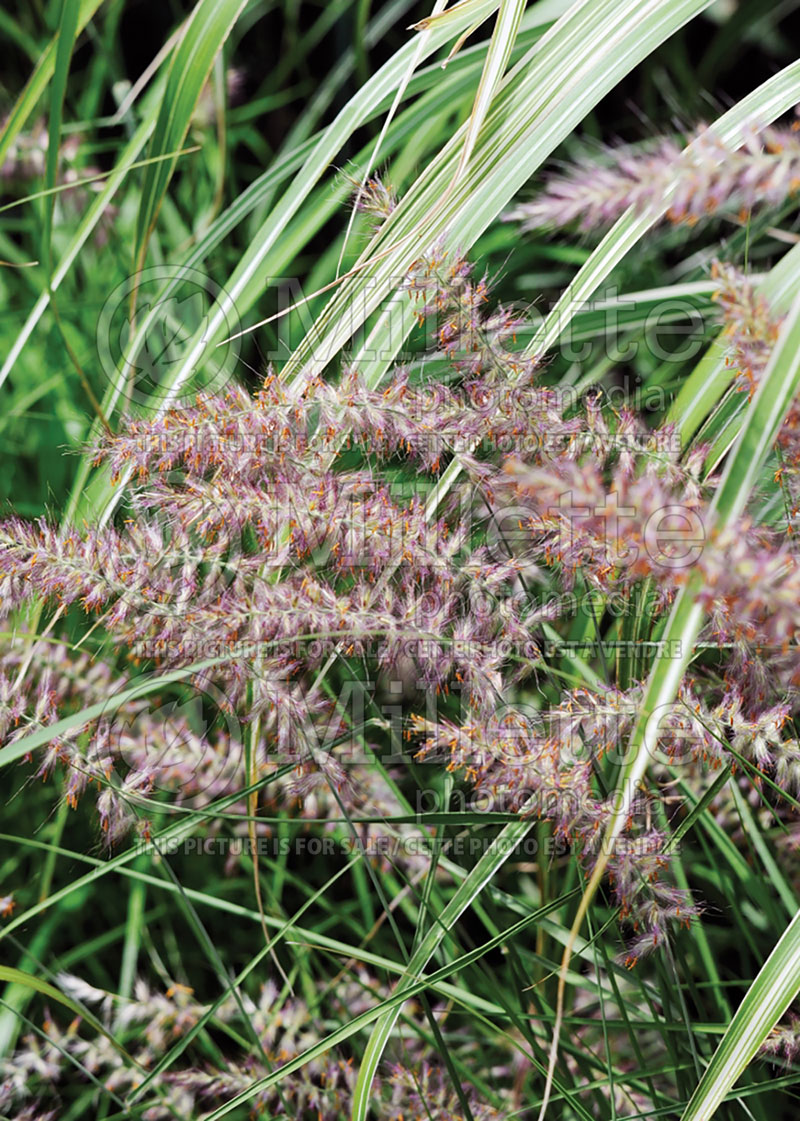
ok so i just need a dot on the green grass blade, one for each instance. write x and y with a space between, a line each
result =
305 935
37 83
67 31
541 100
84 231
411 983
206 31
169 1057
773 990
467 892
502 43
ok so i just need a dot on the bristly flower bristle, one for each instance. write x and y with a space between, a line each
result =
709 176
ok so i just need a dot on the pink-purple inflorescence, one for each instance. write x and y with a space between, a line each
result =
268 536
707 176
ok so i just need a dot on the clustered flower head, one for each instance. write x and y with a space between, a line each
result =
783 1042
276 1029
246 534
708 177
544 765
750 328
264 537
613 505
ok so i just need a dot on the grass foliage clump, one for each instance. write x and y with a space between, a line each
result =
398 560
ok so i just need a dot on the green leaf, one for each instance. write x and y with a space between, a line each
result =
773 990
27 980
497 56
67 31
207 29
467 892
538 104
37 83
